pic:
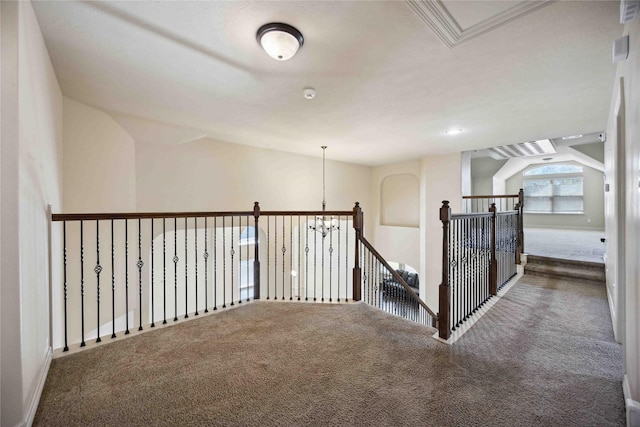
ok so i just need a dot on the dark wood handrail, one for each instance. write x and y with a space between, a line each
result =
307 213
398 278
497 196
151 215
470 215
514 212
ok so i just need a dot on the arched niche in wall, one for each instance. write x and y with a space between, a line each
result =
400 200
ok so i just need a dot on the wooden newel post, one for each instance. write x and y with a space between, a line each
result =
444 291
256 255
493 273
357 272
520 223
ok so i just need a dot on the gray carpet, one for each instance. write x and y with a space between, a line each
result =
577 245
544 355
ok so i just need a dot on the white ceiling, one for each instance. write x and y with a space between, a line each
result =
388 86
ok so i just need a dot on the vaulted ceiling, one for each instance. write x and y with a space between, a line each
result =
391 76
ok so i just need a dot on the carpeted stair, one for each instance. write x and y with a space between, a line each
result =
565 269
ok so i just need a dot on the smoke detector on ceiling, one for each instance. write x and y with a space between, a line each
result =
309 93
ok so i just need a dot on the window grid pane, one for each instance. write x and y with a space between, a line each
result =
554 194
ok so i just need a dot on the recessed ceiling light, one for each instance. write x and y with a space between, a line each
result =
453 131
572 136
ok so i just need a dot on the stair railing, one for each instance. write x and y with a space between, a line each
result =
385 289
132 271
482 203
479 256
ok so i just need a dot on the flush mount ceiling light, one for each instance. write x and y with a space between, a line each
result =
451 132
280 41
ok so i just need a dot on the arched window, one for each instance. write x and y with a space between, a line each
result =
554 188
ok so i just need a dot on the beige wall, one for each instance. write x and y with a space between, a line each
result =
591 219
400 200
31 180
622 154
99 162
482 171
440 181
210 175
398 238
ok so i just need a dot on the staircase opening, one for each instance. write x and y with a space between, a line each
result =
563 211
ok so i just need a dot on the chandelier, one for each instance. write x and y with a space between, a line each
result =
322 224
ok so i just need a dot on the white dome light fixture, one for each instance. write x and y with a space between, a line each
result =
280 41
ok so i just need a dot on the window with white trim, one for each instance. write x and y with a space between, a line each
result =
247 238
554 188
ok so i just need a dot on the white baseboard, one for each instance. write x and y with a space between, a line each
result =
633 406
35 397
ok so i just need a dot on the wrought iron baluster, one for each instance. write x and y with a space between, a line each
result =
268 255
82 344
232 252
306 259
463 270
175 269
338 257
454 274
291 257
478 262
153 282
97 269
64 245
186 272
224 262
215 263
140 265
255 242
164 270
275 257
487 275
113 286
206 266
315 259
246 242
195 238
346 265
322 269
126 269
372 282
284 250
299 259
239 260
468 271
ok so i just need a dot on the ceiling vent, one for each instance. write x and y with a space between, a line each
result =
523 149
629 10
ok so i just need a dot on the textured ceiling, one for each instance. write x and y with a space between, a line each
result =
388 87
